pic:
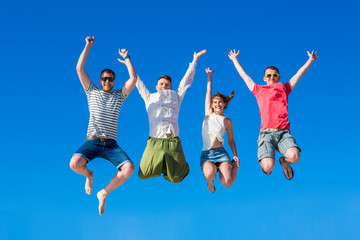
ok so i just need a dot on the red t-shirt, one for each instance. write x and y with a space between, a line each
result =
273 101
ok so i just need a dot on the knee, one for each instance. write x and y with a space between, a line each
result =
293 155
227 183
209 173
75 163
127 169
267 166
72 166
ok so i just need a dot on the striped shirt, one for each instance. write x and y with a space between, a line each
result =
104 108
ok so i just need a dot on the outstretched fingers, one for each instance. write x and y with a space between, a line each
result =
313 55
233 54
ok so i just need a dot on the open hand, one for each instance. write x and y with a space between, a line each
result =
233 54
313 56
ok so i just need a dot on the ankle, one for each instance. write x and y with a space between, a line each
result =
103 192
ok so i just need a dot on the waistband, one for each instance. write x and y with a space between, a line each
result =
274 129
165 139
220 149
101 139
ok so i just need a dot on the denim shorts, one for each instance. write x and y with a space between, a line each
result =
94 148
215 155
269 142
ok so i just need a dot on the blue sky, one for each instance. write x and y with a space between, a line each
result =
45 118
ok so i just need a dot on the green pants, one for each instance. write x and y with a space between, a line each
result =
164 156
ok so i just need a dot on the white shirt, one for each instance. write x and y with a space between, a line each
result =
163 106
213 128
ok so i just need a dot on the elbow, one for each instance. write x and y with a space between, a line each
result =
133 79
79 68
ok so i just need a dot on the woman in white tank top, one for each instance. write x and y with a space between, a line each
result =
214 157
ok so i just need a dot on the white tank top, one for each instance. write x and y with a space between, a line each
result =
213 128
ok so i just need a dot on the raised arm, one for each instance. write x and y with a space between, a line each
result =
198 55
187 80
233 57
208 96
143 91
129 84
83 76
295 79
231 141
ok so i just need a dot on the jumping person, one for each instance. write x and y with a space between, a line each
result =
104 107
272 99
163 153
214 157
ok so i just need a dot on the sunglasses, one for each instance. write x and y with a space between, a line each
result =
110 79
275 75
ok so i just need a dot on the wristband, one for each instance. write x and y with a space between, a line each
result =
127 56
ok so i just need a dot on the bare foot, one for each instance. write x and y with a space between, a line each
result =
211 186
88 183
102 197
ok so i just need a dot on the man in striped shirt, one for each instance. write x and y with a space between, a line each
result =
104 107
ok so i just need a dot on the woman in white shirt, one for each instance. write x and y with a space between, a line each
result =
214 157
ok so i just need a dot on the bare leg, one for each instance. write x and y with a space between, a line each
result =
210 170
78 165
267 165
292 156
228 173
124 173
235 169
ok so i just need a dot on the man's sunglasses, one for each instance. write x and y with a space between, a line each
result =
111 79
275 75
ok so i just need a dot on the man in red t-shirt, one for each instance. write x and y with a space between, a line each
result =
272 99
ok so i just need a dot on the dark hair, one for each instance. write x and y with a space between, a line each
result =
222 96
165 77
272 68
107 71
